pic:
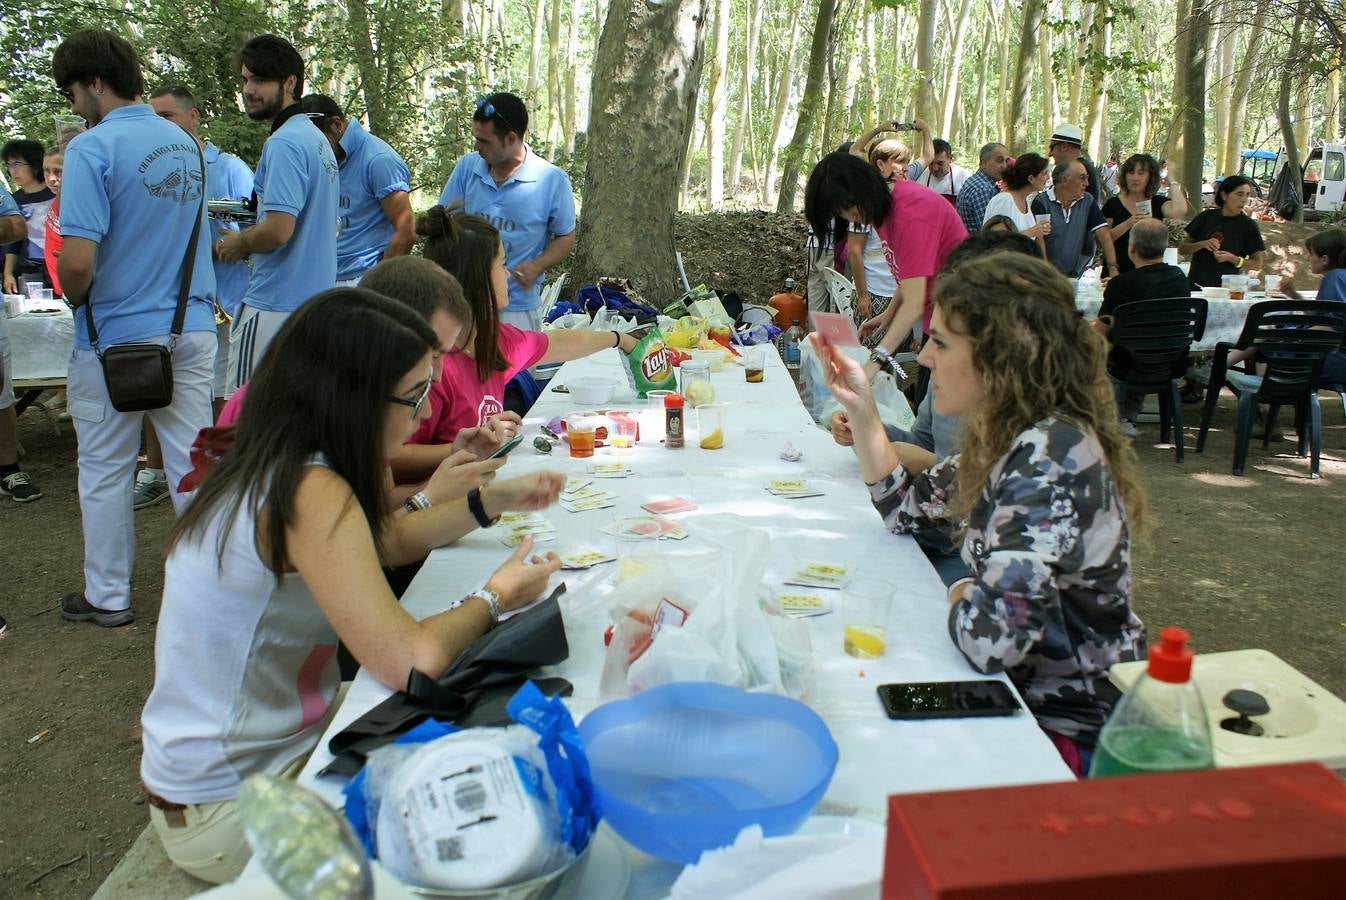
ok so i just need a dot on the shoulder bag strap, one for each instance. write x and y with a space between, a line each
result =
188 265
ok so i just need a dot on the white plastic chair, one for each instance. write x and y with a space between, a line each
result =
551 293
840 290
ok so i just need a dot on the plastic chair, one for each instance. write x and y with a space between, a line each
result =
840 290
1157 336
551 292
1292 338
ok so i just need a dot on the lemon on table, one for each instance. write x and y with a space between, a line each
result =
713 441
864 641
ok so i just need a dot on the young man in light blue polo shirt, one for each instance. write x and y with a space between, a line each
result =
227 178
292 248
133 191
527 198
376 218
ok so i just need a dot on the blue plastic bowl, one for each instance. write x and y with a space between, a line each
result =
682 768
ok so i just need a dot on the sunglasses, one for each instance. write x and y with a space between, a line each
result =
486 110
419 403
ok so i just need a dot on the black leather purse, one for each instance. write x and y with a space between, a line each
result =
140 376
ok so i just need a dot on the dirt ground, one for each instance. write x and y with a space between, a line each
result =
1241 562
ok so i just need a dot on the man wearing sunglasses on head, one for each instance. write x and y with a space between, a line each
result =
527 198
293 247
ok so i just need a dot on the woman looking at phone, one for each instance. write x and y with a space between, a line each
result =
1043 488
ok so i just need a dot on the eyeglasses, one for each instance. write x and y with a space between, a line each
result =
68 94
419 403
14 163
486 110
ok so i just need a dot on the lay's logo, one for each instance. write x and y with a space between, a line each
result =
655 364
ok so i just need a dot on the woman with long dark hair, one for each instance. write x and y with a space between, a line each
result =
279 556
1043 488
1026 176
1223 240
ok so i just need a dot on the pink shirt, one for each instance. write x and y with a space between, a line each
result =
921 228
459 400
232 406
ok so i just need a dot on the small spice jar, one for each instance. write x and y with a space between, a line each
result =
673 422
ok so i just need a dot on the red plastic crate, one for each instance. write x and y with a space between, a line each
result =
1263 832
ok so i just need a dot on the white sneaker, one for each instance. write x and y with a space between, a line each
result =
1129 428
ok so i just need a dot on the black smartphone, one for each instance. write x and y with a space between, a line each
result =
904 126
507 446
947 699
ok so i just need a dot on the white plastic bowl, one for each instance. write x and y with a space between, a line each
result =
1215 293
714 357
592 391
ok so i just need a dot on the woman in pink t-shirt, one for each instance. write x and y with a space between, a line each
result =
489 352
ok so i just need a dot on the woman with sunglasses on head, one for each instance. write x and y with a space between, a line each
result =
1043 488
489 351
279 556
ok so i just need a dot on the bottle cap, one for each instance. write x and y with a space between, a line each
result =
1171 659
673 401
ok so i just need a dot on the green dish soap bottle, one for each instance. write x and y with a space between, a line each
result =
1160 725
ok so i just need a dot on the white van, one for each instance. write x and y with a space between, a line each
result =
1325 178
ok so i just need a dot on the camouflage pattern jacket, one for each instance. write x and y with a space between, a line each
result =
1049 602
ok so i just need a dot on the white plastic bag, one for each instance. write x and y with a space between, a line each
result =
825 867
894 409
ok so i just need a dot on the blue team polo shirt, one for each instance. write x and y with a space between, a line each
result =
132 185
297 174
371 171
228 178
535 205
7 205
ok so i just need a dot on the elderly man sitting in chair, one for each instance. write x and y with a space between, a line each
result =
1151 279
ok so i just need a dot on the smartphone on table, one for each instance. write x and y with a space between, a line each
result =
947 699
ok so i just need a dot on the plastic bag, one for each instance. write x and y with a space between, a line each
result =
694 615
894 408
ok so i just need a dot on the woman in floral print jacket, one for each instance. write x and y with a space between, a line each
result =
1043 489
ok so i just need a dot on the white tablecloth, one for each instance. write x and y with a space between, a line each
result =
878 756
40 344
1224 318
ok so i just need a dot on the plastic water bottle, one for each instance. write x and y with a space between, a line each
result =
1160 725
792 338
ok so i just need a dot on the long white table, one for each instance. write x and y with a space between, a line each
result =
877 756
40 345
1224 318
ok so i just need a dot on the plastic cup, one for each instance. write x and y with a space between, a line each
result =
711 426
865 606
1043 219
33 290
1273 284
754 364
1144 207
581 435
622 433
1237 285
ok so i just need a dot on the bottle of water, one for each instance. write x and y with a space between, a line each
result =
792 338
1160 725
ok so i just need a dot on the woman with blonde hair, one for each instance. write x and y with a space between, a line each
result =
1044 488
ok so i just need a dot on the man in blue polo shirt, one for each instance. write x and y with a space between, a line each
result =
376 218
133 190
527 198
292 248
227 178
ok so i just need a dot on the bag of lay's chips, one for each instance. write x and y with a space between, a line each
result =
648 367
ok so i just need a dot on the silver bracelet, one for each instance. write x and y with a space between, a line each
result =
490 598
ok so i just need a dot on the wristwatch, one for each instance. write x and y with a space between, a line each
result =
478 509
490 598
886 362
418 501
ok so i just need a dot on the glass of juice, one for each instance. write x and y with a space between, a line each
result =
711 422
581 435
865 604
754 362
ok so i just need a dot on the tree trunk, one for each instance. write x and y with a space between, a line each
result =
366 61
535 51
572 67
1288 72
793 157
1332 100
869 84
1194 115
554 99
782 101
981 136
1016 122
925 61
1051 104
1226 37
1146 92
1303 103
952 81
1173 137
743 126
1005 29
716 107
1077 99
1095 127
1238 100
646 71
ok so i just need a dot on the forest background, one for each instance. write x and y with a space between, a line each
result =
695 105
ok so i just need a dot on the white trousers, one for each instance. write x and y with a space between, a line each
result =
109 443
252 332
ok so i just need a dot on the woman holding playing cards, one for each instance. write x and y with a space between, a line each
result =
1043 489
278 557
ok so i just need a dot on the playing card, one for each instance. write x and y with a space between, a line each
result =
585 493
583 504
793 488
817 574
835 329
668 506
646 528
584 558
521 528
522 518
608 470
539 537
574 484
802 606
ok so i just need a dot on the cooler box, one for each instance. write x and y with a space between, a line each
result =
1226 834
